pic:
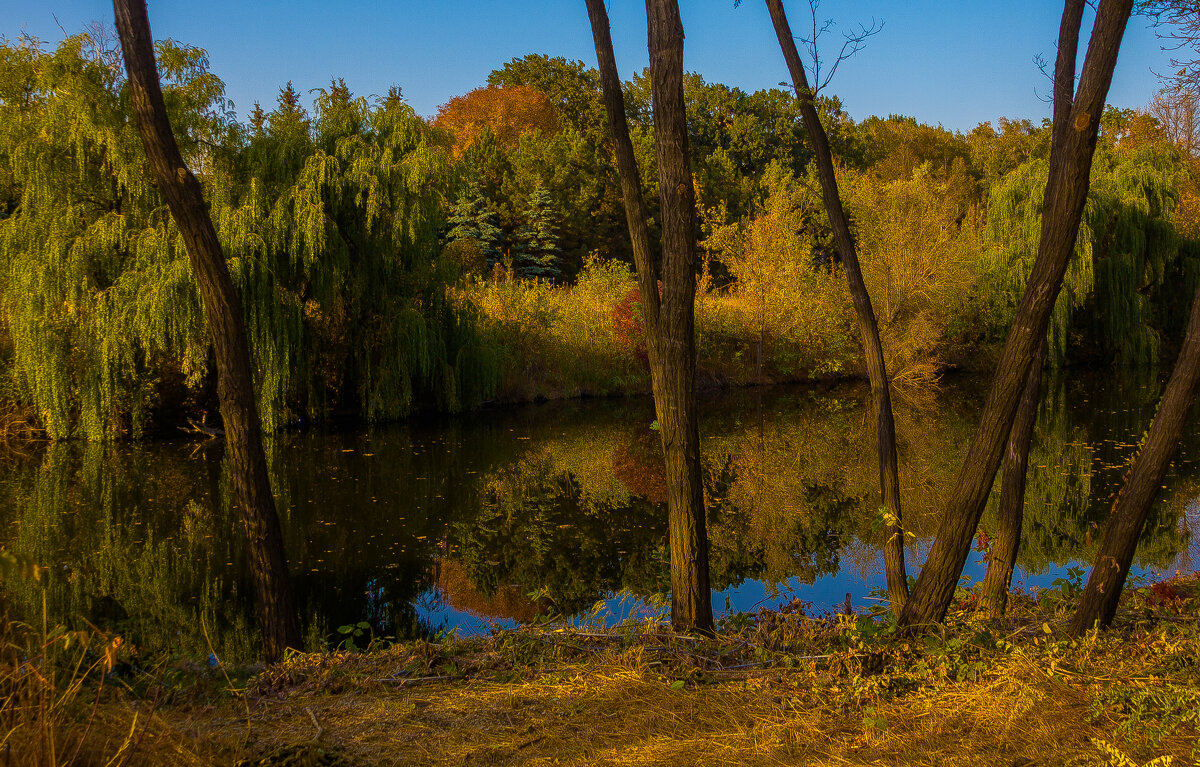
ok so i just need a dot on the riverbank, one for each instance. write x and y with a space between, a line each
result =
774 687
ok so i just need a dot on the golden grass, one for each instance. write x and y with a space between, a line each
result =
578 697
622 713
774 688
59 707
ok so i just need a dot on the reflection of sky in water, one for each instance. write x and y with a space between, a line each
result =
438 615
827 594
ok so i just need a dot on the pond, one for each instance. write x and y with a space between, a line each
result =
501 516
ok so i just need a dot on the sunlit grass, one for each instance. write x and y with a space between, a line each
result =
587 338
61 705
776 687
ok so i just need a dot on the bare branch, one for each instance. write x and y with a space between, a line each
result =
1177 25
1043 66
852 43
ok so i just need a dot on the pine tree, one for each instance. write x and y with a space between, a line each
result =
538 251
471 218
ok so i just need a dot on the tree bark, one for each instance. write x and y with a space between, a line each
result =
1003 555
1076 122
868 328
669 321
223 311
1098 604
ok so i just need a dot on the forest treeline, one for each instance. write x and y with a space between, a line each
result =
386 261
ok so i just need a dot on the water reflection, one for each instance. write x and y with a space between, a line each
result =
503 516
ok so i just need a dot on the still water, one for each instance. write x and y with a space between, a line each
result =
501 516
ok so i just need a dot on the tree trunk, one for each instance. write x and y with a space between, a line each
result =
1099 601
1076 121
669 322
885 426
223 311
1003 555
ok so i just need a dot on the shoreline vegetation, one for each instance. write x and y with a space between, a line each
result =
388 263
778 686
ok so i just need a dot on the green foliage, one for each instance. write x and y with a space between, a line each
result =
352 633
573 89
896 147
996 153
1126 252
329 224
345 221
94 286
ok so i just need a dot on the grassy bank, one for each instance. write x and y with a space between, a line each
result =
775 687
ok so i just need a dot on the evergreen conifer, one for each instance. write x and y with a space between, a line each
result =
538 251
471 218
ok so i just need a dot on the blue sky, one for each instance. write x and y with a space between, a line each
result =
953 63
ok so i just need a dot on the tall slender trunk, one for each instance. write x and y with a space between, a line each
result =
868 328
1073 142
1003 555
223 311
669 321
1099 601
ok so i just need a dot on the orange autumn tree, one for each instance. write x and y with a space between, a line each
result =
508 113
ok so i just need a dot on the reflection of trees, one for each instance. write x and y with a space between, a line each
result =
1058 484
537 527
143 539
95 515
1086 432
789 480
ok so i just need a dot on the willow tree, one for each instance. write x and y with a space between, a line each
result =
329 222
1125 252
885 425
669 317
94 286
333 222
273 597
1077 113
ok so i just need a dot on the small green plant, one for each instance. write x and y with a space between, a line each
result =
873 722
352 633
1151 712
1072 584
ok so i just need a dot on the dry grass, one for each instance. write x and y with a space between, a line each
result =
644 697
622 712
59 706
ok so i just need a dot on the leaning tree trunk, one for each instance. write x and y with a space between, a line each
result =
1099 601
868 328
669 321
1076 122
223 311
1003 555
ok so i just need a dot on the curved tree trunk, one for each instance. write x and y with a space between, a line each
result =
1098 604
1076 122
223 311
1003 556
868 328
669 322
